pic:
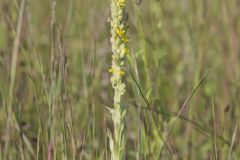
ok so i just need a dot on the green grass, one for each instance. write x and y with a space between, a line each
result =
54 83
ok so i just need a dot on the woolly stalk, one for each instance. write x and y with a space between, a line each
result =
120 49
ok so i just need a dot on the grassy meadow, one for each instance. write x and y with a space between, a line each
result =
182 77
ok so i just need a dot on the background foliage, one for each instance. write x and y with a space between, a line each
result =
62 82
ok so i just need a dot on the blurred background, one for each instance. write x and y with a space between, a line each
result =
54 80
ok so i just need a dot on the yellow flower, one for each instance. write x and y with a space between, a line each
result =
120 32
124 38
121 73
122 2
111 70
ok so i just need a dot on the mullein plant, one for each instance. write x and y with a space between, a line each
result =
120 49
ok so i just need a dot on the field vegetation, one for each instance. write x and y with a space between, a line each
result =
182 75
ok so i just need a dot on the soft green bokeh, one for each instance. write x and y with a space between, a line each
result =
62 82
